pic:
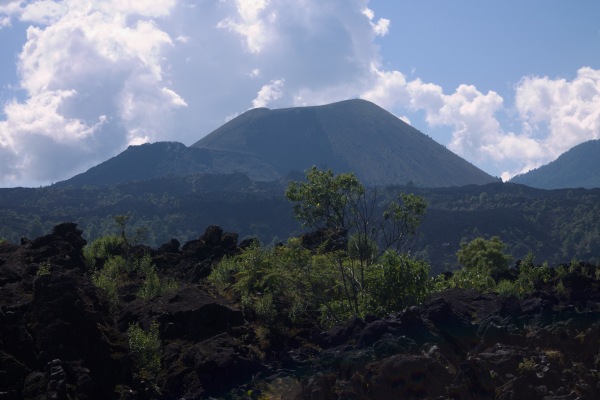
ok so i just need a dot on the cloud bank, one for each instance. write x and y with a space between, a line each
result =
98 76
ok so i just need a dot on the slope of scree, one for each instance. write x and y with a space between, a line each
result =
266 145
579 167
352 135
60 339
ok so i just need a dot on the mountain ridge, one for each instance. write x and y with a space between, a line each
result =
349 136
578 167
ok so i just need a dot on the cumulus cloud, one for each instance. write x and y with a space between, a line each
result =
94 78
562 113
98 76
469 112
8 9
268 93
381 27
250 23
555 114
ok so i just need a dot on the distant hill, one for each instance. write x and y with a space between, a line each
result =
349 136
555 225
352 135
577 168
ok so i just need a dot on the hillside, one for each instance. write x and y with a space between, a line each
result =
577 168
65 337
555 225
268 145
352 135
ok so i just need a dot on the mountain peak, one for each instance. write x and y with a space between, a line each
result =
578 167
348 136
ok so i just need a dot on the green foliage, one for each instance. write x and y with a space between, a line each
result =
527 366
340 202
43 269
110 278
285 281
145 350
484 255
289 283
152 285
464 278
111 270
103 248
530 277
122 221
324 199
555 225
397 282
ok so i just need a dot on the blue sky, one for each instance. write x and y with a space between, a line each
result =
507 85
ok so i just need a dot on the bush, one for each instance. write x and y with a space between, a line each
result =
296 285
145 350
43 269
287 281
102 249
397 282
109 278
487 256
117 272
464 278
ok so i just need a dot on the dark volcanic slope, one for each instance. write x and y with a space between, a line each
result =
266 145
576 168
353 135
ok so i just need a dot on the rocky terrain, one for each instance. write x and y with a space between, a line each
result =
61 339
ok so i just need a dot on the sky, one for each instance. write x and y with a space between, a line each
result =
509 86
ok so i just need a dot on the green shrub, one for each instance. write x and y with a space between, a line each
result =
286 280
265 309
43 269
145 350
291 282
117 272
484 255
102 249
397 282
151 286
464 278
109 278
506 288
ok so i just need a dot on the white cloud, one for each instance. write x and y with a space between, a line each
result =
8 9
556 115
255 73
98 76
44 12
469 112
558 112
404 118
250 23
40 116
389 89
381 27
268 93
90 70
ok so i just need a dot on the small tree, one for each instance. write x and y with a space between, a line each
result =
324 200
341 202
484 255
145 350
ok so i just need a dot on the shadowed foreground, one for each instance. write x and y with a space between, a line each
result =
60 338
